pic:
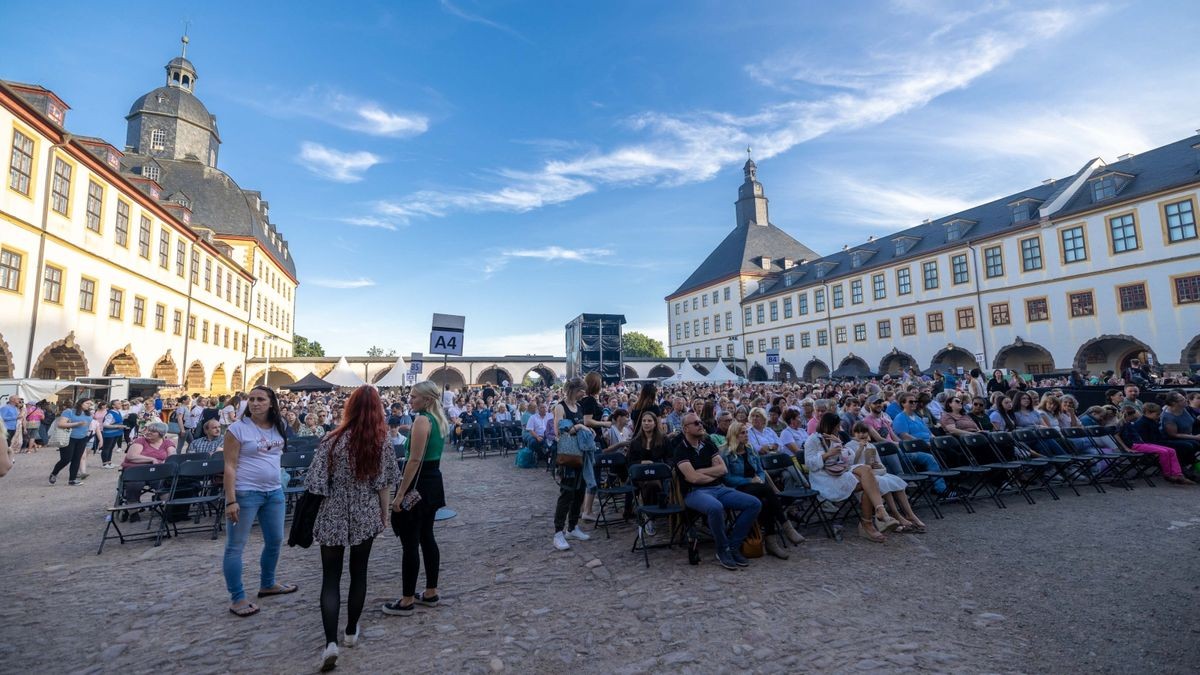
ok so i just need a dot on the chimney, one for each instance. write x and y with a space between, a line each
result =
925 222
845 247
1048 181
871 239
1125 156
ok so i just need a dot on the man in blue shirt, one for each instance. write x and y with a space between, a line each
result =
909 426
10 412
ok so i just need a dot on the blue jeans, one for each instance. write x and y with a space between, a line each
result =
711 502
268 507
920 461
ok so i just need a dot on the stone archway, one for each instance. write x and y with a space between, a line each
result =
952 356
279 378
815 370
324 370
448 378
629 373
852 366
236 383
539 376
896 362
1024 357
195 381
166 370
219 384
61 360
7 368
786 372
660 372
1111 352
758 373
493 375
123 363
737 370
1190 355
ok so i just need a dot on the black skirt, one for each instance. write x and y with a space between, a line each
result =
429 484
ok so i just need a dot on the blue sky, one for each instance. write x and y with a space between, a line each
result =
521 163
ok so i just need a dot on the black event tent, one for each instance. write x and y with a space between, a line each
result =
309 382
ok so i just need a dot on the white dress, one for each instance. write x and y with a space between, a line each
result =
832 488
887 482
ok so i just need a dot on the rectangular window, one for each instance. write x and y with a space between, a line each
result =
884 329
805 340
774 310
993 258
275 321
1123 232
695 303
933 321
1181 221
195 267
677 309
707 352
706 325
749 346
207 274
60 187
225 333
802 303
144 238
180 257
716 297
191 326
789 341
686 307
903 281
1082 304
726 292
705 300
822 338
678 331
762 345
856 292
966 317
958 266
774 343
20 169
908 325
716 323
52 285
728 320
95 205
1132 297
839 298
87 295
204 332
1104 188
1031 254
819 300
221 274
1073 247
177 322
1036 309
139 311
787 307
164 248
839 335
929 273
160 317
687 330
10 270
1000 314
749 315
760 312
879 287
718 351
860 332
1187 289
121 231
116 303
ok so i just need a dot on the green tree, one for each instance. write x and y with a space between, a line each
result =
302 346
375 352
634 343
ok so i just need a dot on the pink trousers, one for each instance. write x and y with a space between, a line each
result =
1167 458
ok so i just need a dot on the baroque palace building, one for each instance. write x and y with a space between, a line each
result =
1086 272
149 262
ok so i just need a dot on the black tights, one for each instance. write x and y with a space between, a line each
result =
70 454
331 580
416 537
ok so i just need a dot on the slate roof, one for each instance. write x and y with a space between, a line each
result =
738 253
1162 168
176 102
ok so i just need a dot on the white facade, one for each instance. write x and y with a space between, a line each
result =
706 322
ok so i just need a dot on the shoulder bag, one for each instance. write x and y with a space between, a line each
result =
569 454
409 502
60 437
304 513
752 545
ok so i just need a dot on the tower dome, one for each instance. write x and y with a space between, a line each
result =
170 122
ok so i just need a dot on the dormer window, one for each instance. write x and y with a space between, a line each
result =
905 244
764 262
957 228
856 259
1108 185
151 171
1020 212
787 280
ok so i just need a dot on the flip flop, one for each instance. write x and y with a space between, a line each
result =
279 589
248 609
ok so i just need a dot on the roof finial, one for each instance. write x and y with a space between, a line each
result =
184 39
749 155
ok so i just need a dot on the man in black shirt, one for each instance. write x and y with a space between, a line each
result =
701 469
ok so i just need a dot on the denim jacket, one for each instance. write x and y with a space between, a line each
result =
736 469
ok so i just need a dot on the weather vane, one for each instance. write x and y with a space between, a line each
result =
186 24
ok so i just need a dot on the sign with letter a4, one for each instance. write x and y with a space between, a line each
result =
447 334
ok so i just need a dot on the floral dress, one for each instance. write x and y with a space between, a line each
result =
350 512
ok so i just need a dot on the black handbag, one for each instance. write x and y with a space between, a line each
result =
304 513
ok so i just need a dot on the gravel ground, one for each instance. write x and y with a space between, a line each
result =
1102 583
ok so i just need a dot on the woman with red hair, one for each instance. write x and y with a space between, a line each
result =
355 468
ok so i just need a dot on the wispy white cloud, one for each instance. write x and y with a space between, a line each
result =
558 253
361 282
457 11
333 106
335 165
694 147
370 221
886 206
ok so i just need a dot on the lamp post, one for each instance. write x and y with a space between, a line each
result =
267 374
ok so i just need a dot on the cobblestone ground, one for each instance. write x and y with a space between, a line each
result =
1093 583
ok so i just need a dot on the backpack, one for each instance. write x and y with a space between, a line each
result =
526 458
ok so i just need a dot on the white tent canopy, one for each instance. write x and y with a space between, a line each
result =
342 376
33 390
687 373
721 374
396 376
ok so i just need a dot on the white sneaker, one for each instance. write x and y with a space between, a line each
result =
329 657
560 542
588 518
650 528
107 466
352 640
578 534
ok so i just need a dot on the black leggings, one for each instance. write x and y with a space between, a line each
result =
106 450
416 537
570 500
331 579
772 511
71 453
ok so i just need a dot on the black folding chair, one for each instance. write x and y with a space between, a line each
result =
611 487
202 479
154 479
1142 464
673 511
187 457
1034 472
952 478
776 465
218 456
921 486
296 464
471 440
1085 465
1062 467
1112 464
302 443
979 452
975 479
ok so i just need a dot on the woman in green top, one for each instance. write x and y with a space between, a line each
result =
415 526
